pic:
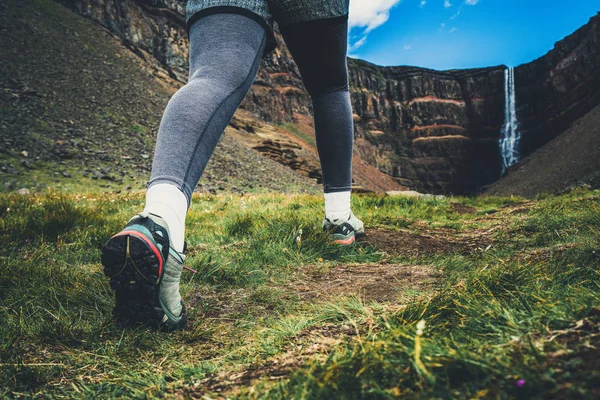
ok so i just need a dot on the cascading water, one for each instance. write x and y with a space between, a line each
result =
509 142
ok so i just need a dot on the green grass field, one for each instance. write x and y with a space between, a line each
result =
460 297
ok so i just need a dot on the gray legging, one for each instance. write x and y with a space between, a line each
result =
225 53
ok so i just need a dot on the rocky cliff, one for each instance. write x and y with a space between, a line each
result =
439 131
434 131
560 87
430 130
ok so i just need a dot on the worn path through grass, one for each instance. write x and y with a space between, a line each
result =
459 297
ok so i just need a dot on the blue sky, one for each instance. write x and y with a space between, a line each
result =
447 34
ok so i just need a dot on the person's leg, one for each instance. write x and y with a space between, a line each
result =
144 260
225 53
319 49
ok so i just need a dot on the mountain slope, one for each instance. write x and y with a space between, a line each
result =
571 159
79 111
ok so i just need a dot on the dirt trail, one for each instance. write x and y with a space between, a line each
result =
390 284
382 282
429 241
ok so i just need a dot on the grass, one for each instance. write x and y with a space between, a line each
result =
299 134
515 315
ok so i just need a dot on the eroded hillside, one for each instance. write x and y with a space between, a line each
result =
79 110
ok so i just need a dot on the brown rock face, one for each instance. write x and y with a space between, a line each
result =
560 87
438 130
430 130
283 153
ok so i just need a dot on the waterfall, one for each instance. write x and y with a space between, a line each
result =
509 142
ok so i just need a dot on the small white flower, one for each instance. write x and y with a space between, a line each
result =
420 327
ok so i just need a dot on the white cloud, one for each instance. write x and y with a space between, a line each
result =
447 4
358 43
368 15
452 30
471 2
423 3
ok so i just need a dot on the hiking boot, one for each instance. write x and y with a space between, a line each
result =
144 272
344 232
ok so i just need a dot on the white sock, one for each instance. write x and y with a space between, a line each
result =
169 203
337 206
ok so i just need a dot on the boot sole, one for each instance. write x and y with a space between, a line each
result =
134 267
346 240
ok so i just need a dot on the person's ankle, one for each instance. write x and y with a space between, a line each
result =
169 203
337 206
338 217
